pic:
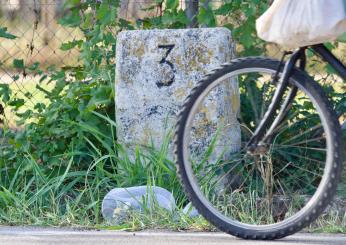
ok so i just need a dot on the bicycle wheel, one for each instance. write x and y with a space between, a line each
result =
282 186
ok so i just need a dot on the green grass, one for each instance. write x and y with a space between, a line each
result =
156 218
69 196
329 223
71 192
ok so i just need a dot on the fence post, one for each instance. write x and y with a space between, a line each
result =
192 11
47 18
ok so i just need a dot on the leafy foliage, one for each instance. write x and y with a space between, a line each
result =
5 34
54 128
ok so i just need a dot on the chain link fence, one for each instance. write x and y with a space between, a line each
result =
39 38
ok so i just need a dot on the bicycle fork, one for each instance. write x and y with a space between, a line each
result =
261 135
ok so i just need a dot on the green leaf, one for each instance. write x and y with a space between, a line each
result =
106 14
39 107
101 96
182 18
206 16
40 88
18 64
172 4
70 45
17 103
224 9
103 12
25 115
329 45
72 19
34 67
5 92
342 38
5 34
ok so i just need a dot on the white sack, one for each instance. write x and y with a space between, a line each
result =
297 23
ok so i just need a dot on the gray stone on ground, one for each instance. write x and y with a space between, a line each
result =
119 201
190 210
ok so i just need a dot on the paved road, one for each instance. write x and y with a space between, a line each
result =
25 236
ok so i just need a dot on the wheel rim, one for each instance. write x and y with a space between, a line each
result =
262 217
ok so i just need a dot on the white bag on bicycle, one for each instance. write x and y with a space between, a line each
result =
298 23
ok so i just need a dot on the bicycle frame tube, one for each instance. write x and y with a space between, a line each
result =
286 104
274 104
261 136
326 55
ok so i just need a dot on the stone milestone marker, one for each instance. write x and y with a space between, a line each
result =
155 71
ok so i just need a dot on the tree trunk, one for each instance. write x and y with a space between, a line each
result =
191 12
48 20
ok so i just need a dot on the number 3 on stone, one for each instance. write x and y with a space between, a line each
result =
163 61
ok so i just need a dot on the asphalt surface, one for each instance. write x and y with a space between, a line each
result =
24 236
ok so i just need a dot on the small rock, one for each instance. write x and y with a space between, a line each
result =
190 210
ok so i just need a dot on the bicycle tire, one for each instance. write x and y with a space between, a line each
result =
333 164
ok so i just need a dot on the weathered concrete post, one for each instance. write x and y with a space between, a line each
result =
155 71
